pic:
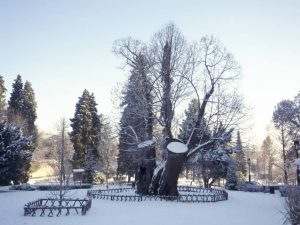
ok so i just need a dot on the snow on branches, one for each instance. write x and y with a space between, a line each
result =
15 154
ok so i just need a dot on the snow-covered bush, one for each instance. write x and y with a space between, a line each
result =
250 187
292 205
22 187
15 155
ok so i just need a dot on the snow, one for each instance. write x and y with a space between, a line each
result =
297 162
242 208
177 147
146 143
158 168
78 170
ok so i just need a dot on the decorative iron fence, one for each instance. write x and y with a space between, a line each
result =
199 195
56 207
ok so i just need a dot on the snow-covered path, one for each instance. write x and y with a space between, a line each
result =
242 208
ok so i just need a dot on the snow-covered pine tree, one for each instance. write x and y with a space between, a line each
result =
29 112
90 166
16 103
22 108
2 99
136 124
15 155
85 129
18 114
127 159
240 158
200 135
214 159
231 179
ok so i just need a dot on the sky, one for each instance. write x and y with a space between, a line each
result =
64 46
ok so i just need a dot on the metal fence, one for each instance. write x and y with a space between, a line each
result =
198 195
51 207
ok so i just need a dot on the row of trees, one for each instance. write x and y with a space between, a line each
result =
92 138
164 75
18 132
277 154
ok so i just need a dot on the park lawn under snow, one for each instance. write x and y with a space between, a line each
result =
242 208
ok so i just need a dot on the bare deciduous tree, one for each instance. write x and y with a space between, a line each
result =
177 71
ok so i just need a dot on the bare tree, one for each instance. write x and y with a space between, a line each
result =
177 71
107 150
62 164
218 68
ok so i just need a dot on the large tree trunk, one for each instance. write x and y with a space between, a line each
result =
147 165
166 177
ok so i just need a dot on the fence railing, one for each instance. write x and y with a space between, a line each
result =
51 207
198 195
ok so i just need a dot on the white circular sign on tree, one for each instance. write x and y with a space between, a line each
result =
177 147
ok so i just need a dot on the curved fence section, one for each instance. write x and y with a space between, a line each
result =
187 194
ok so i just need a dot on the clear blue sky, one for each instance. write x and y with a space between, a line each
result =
63 47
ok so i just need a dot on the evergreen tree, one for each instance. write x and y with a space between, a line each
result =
21 112
136 124
15 155
231 179
85 129
2 99
241 164
200 135
29 111
22 108
127 158
90 166
16 103
213 160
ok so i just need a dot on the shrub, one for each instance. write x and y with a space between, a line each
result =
99 178
292 205
250 187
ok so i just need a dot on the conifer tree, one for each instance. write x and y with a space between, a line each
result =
22 108
127 161
90 166
21 112
201 134
85 129
231 179
15 155
2 99
136 124
16 103
29 111
241 164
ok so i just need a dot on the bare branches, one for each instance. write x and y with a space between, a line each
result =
191 68
129 50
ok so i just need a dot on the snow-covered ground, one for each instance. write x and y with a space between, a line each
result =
242 208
